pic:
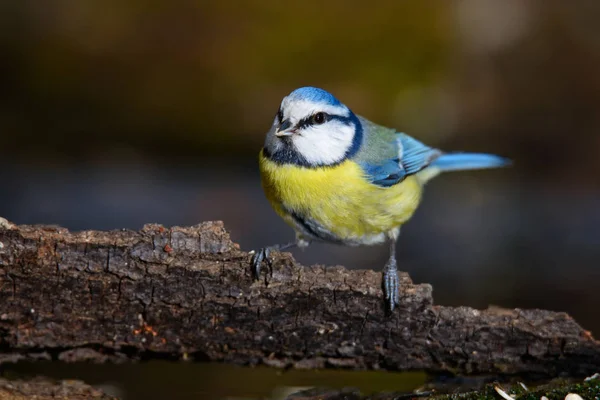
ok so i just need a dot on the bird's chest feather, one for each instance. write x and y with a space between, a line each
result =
339 199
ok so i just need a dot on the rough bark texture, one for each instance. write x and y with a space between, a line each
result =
187 293
42 389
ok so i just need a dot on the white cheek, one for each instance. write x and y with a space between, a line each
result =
324 144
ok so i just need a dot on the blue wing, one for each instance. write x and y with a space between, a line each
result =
415 155
387 174
412 157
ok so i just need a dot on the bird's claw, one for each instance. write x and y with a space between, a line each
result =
391 286
257 259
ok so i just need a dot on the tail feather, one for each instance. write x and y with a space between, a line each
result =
464 161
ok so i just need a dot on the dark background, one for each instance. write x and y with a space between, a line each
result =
118 113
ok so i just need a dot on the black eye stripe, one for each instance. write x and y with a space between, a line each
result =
308 121
303 123
280 115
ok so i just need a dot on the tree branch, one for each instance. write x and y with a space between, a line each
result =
187 293
43 389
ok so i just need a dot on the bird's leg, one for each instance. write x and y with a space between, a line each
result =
264 255
390 278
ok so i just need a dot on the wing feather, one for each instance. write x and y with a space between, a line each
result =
410 157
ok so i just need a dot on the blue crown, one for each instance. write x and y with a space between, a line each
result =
315 95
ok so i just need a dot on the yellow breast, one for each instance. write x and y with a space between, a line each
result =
339 198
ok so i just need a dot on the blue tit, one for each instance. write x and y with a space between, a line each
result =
339 178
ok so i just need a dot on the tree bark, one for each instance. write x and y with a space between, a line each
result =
42 389
187 293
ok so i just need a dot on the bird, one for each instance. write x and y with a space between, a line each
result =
337 177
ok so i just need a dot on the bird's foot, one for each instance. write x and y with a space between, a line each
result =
391 285
258 258
264 254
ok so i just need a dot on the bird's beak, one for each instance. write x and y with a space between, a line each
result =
284 130
280 133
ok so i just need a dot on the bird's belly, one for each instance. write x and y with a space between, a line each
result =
337 203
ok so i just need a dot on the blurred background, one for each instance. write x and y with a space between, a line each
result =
114 114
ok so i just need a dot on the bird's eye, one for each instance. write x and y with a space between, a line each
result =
318 118
280 115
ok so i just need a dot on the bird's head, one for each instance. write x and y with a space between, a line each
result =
312 128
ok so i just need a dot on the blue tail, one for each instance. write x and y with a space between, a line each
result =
462 161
